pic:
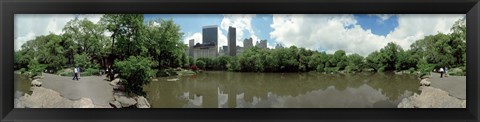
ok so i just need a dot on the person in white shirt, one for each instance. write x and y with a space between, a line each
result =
441 72
75 74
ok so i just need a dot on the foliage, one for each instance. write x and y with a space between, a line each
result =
136 72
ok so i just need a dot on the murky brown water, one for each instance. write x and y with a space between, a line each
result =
217 89
22 85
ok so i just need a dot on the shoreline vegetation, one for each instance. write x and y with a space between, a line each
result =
140 51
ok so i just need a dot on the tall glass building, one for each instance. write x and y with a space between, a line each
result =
210 34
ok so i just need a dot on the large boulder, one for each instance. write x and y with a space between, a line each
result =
115 82
116 104
142 102
83 103
431 98
36 83
424 82
124 100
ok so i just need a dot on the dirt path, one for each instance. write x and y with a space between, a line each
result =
454 85
93 87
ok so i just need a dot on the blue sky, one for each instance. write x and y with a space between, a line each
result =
354 33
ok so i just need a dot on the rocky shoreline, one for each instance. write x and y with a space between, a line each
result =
42 97
122 100
431 97
47 98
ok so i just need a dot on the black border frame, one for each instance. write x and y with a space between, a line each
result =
10 7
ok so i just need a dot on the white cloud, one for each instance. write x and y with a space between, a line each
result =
328 31
197 37
242 23
29 26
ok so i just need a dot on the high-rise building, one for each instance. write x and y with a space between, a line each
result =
224 50
262 44
279 46
248 43
191 43
232 43
210 34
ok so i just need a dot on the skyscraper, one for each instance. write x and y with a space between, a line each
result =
262 44
191 43
248 43
210 34
232 43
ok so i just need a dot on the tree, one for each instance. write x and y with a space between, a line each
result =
355 63
135 71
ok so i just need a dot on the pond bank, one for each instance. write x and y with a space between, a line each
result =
447 92
62 92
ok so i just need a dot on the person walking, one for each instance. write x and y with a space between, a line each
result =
441 72
446 71
75 74
78 73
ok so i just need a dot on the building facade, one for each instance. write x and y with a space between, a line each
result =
248 43
204 51
262 44
191 43
210 34
232 33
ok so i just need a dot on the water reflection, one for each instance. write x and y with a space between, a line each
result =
281 90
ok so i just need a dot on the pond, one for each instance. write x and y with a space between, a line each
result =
21 84
221 89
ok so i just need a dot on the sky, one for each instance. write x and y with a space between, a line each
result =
354 33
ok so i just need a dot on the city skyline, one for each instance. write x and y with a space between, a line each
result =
317 32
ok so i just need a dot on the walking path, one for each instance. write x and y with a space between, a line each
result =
93 87
456 86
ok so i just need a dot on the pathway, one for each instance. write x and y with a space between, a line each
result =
454 85
93 87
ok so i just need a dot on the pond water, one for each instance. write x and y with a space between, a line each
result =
220 89
21 85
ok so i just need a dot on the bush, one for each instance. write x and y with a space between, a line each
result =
136 72
90 72
200 64
35 68
461 71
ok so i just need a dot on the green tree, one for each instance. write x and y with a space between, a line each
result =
136 72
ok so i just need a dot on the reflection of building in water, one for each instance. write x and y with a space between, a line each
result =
195 102
222 99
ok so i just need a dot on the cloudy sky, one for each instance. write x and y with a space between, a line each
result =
358 33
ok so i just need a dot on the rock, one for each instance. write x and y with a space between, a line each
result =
154 80
173 79
142 102
19 104
36 83
424 82
116 104
432 98
125 101
115 82
83 103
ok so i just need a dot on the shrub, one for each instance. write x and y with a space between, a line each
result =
90 72
201 64
35 68
136 72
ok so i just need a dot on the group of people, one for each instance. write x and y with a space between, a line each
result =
76 73
442 71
